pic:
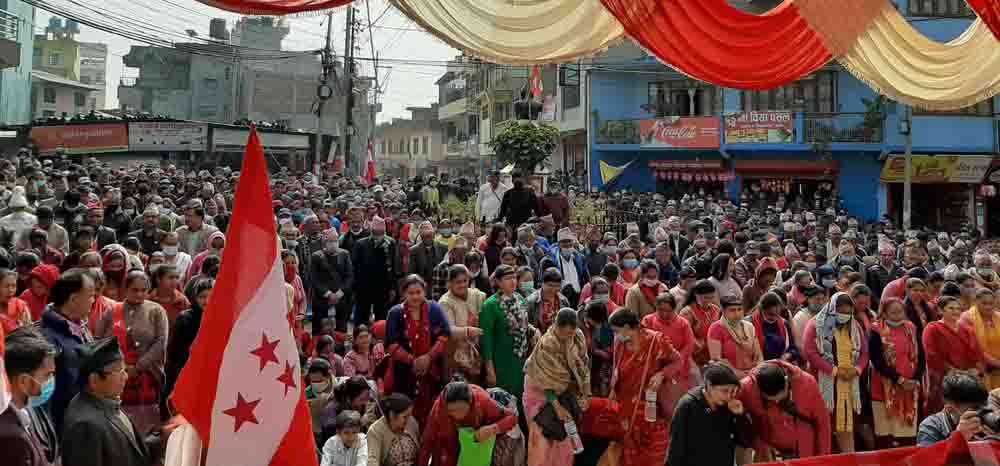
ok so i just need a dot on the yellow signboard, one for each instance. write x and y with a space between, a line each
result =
938 168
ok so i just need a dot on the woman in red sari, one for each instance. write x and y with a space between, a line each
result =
644 360
14 312
682 373
949 346
898 358
701 312
417 339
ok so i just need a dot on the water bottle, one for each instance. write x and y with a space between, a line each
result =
650 406
574 437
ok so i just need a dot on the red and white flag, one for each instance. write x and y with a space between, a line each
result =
4 388
370 173
536 81
241 389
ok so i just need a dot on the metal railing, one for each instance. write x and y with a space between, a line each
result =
864 128
619 132
9 25
128 82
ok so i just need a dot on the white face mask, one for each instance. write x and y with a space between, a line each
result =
170 250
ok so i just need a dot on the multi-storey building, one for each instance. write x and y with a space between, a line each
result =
407 147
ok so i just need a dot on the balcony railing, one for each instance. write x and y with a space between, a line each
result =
865 128
9 24
619 132
128 82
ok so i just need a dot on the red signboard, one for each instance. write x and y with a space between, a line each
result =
680 132
81 139
776 127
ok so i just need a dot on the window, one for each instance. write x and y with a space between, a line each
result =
416 145
569 79
816 93
99 78
520 72
211 83
683 98
381 147
85 79
48 114
402 146
49 95
93 103
426 144
55 59
941 8
36 57
984 108
79 99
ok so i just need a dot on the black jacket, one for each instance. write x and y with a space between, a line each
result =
18 446
703 437
378 262
93 436
105 236
330 273
518 205
179 347
679 246
349 239
423 259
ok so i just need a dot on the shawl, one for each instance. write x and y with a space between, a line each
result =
517 323
746 340
418 332
557 366
650 293
900 403
826 324
758 325
982 333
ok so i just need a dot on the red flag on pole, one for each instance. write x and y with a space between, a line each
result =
370 172
241 389
536 81
4 388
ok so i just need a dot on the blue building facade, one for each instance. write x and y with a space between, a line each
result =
17 25
836 143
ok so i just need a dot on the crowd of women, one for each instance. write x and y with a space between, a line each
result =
530 341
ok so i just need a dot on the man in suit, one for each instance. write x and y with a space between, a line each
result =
30 364
426 254
102 234
678 243
331 283
376 259
96 432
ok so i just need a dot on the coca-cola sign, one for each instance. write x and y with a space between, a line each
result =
680 132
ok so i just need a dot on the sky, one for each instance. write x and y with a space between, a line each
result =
395 37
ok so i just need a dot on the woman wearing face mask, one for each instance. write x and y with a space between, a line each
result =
701 311
525 281
629 267
599 292
166 292
826 277
642 363
983 272
461 306
556 373
477 275
898 358
546 302
985 321
774 333
918 307
183 334
950 345
725 284
216 243
394 439
734 340
682 374
417 334
599 336
837 350
507 334
141 327
495 246
641 297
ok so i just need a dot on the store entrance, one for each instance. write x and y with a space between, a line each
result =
941 207
788 193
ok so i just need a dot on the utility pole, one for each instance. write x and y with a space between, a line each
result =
906 127
349 91
323 92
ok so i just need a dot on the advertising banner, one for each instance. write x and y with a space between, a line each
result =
774 127
81 139
938 168
680 132
167 136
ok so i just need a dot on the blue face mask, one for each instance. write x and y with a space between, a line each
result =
843 319
48 388
630 263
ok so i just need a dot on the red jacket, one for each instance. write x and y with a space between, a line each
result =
47 274
806 432
440 439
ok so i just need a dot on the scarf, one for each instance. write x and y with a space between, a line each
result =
746 340
989 341
758 325
517 323
559 366
899 402
826 325
703 318
650 293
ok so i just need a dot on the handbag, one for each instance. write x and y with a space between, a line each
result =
553 427
467 358
602 419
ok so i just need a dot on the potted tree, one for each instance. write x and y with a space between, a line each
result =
874 117
525 144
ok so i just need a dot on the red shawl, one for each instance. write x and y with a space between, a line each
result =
650 293
418 332
758 326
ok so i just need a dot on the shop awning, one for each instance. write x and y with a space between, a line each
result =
691 170
806 169
931 169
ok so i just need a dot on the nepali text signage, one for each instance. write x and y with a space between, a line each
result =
81 139
937 169
777 127
680 132
234 140
167 136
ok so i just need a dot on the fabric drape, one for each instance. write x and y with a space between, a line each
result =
274 7
989 12
896 60
519 32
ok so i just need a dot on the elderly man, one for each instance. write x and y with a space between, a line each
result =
376 263
455 256
746 265
310 242
885 271
97 432
95 219
149 234
331 283
489 198
679 244
354 228
426 254
194 234
570 263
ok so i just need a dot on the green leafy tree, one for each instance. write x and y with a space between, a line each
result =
525 144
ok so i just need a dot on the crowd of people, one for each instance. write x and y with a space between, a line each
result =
703 333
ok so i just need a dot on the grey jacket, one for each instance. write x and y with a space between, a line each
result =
93 435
